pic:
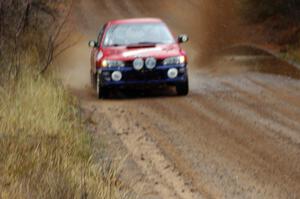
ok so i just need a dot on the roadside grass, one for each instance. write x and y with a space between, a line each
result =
45 149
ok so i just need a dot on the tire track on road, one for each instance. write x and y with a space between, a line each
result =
187 131
265 109
286 96
168 182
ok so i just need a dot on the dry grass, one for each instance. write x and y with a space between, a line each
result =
45 151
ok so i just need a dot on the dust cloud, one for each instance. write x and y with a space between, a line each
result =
211 24
218 27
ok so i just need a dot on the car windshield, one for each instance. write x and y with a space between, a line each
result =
138 34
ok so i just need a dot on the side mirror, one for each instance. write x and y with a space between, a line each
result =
183 38
93 44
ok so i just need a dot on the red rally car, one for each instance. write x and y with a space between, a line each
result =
138 52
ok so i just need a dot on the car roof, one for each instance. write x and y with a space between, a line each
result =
135 20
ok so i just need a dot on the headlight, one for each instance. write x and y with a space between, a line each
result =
112 63
174 60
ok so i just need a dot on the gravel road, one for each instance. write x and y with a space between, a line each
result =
237 135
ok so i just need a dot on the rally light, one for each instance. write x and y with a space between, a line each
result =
116 76
150 63
138 64
172 73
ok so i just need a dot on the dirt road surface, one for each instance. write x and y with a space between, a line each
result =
237 135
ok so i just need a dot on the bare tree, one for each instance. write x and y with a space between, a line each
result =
31 33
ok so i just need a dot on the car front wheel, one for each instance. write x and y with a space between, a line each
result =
182 89
102 92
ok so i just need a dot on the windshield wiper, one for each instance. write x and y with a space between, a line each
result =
149 43
142 44
116 45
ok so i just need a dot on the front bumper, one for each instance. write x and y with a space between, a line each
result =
145 77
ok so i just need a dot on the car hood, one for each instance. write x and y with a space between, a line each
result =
158 51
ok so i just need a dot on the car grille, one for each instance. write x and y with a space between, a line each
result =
144 76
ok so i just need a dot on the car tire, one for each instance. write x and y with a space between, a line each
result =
182 89
102 92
